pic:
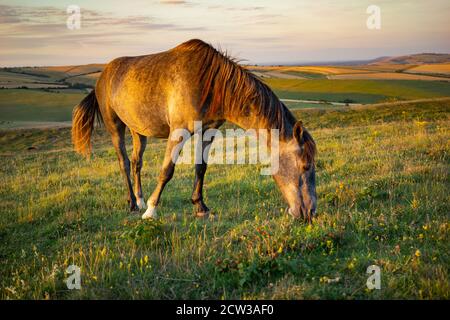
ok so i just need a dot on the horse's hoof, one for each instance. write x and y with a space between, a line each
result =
141 203
204 214
150 213
292 214
306 218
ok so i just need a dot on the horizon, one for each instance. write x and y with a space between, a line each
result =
286 33
264 64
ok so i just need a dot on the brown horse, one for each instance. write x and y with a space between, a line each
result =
155 94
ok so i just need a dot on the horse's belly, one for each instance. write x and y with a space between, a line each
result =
147 123
157 131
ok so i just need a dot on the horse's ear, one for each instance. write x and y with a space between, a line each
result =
297 132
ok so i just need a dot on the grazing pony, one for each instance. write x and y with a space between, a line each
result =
153 95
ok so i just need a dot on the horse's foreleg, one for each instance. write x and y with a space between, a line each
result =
173 149
118 139
139 143
200 208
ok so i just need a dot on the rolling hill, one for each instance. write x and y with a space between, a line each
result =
420 58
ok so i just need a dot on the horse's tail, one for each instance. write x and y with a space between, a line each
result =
83 119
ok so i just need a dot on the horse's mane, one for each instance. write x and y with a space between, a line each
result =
309 147
230 89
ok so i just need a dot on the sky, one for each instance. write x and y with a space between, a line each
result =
35 33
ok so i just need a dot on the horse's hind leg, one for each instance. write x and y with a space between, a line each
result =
117 130
139 143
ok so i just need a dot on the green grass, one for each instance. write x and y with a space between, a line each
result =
383 199
363 98
35 72
361 91
302 105
85 80
36 77
307 75
11 77
38 105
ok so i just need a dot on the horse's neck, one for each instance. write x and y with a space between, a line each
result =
250 120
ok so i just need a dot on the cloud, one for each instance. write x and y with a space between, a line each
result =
51 22
36 31
256 8
235 8
173 2
258 30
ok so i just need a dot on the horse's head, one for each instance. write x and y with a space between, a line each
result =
296 176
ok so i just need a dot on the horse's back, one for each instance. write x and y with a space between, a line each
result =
148 93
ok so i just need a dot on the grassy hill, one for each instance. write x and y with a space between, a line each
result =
419 58
57 104
382 199
362 91
50 77
38 105
53 91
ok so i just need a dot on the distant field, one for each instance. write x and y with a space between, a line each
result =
384 67
57 104
310 69
361 91
385 76
306 74
11 77
401 68
382 71
63 87
38 105
50 77
432 68
59 72
415 59
87 79
302 105
73 70
352 97
42 73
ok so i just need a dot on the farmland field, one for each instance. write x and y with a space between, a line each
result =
57 104
361 91
38 105
381 71
383 177
385 76
432 68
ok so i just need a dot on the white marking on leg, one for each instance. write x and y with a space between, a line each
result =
203 214
141 203
150 213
